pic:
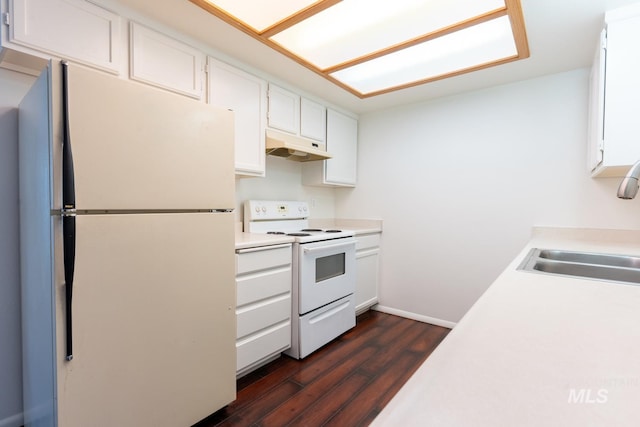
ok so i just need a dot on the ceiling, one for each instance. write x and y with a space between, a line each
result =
562 36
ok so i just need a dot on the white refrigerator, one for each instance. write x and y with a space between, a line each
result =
127 253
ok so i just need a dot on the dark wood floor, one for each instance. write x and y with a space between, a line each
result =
346 383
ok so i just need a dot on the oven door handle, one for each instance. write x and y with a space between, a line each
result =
325 247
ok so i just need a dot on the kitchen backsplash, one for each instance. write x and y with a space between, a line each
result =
283 182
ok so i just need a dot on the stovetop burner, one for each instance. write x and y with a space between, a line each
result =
288 218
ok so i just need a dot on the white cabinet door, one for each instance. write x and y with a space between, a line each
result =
367 267
165 62
596 105
313 120
620 147
284 110
342 143
71 29
246 95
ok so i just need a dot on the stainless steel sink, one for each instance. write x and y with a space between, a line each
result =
591 258
607 267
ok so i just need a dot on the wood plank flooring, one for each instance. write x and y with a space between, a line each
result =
345 383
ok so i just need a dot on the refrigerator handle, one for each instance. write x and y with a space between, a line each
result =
69 255
68 212
68 179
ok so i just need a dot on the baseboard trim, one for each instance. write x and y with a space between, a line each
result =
13 421
414 316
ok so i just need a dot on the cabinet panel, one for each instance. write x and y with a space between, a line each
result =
313 120
251 351
246 95
165 62
259 316
70 29
614 112
284 110
367 264
263 258
342 143
367 279
254 287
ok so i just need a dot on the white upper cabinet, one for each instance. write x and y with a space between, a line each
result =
70 29
299 116
284 110
342 144
162 61
313 120
246 95
614 125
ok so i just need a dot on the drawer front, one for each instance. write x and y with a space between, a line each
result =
256 287
367 241
324 324
266 343
255 317
262 259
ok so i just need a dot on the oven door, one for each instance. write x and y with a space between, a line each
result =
327 272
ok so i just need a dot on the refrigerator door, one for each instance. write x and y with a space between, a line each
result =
140 148
153 320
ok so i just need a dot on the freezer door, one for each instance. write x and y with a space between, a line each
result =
153 320
138 147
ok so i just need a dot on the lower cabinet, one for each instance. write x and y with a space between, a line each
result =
263 305
367 265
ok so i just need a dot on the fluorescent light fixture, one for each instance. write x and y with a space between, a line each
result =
261 15
467 48
360 27
370 47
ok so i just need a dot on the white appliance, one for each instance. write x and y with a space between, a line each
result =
127 246
324 272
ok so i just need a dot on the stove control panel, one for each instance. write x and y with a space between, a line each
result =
261 210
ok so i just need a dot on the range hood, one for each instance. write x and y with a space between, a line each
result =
294 147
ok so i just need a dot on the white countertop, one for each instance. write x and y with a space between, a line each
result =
254 240
536 350
251 240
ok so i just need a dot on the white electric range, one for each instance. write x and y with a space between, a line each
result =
324 272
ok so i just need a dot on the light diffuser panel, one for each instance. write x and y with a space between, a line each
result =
261 14
481 44
356 28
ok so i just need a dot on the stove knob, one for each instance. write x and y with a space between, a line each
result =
264 209
304 208
258 209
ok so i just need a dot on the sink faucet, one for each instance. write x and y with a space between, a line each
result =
629 185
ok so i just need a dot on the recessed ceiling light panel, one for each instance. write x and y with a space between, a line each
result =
356 28
474 46
369 47
261 15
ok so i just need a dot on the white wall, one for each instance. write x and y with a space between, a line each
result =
13 86
461 180
283 182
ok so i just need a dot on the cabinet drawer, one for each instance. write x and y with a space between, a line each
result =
262 259
255 317
367 241
264 344
256 287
